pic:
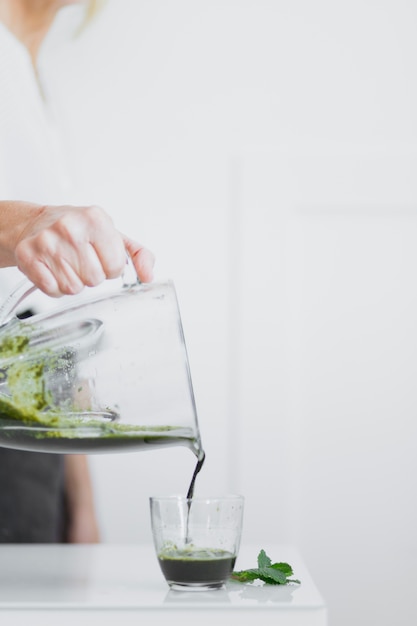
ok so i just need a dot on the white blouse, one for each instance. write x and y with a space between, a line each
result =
33 164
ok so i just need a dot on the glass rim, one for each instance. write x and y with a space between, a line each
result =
198 499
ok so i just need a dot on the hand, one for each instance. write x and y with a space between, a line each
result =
61 249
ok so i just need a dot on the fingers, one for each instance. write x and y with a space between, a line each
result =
52 278
142 258
90 244
41 276
106 252
67 248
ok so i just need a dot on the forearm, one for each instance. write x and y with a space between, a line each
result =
82 523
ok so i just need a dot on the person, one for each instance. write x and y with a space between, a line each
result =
61 248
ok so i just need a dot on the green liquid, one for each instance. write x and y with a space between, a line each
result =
31 419
90 440
199 567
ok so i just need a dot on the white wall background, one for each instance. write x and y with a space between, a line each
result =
266 150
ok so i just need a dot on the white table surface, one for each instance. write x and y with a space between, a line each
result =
122 584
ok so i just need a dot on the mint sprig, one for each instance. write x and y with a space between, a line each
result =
270 573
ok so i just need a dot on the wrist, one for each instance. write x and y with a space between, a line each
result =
15 218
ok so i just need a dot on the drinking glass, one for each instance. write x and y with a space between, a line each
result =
197 539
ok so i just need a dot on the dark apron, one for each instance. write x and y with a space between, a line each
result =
32 507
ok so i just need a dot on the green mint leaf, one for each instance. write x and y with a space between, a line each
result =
246 576
276 576
268 572
263 559
283 567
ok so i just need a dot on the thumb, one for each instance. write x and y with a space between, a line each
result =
142 258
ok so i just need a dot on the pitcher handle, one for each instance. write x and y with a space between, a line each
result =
129 274
26 287
7 308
